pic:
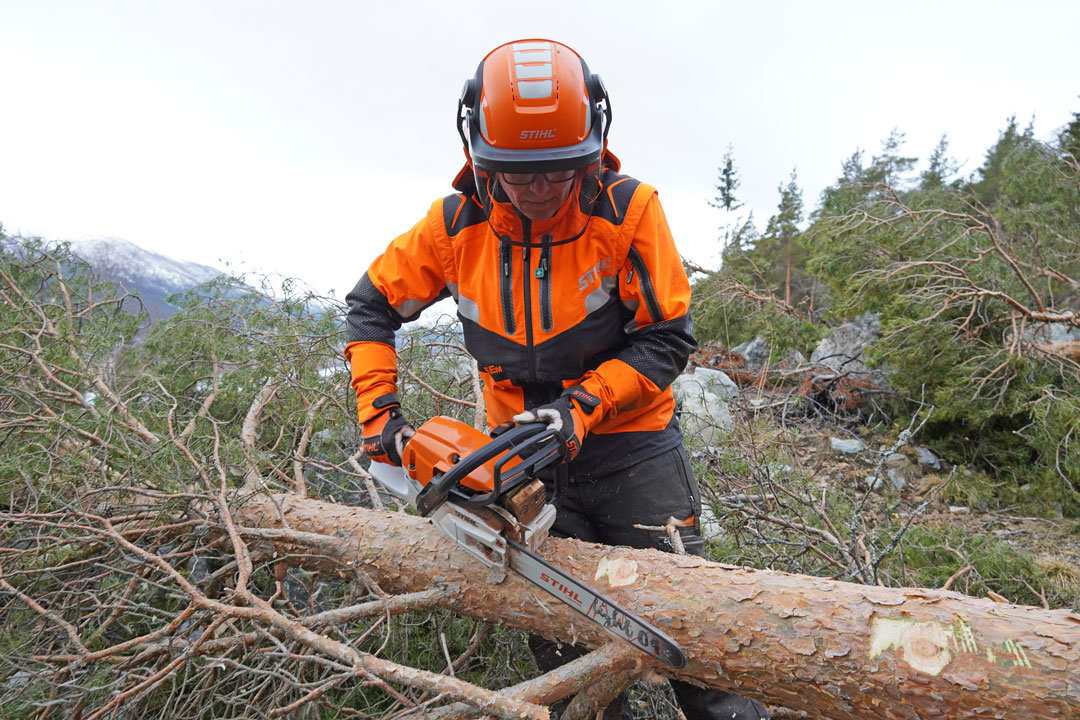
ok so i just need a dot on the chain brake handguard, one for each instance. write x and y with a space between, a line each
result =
470 509
537 439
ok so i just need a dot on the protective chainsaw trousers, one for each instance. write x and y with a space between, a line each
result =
605 509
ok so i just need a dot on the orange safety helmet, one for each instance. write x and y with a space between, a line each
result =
533 106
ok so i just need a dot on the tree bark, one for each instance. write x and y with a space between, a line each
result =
836 650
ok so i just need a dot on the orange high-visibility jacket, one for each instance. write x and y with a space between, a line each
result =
609 311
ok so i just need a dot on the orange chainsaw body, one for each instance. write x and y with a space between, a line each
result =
439 444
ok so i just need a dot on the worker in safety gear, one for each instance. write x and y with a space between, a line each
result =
573 300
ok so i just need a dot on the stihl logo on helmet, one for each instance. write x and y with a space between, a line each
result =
537 134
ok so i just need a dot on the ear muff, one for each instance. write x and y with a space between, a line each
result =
465 110
597 95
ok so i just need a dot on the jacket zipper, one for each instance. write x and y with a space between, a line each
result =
636 263
530 356
506 285
543 273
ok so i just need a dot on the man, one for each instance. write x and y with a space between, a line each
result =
573 300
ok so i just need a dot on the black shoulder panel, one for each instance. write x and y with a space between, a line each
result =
615 193
459 212
370 316
660 351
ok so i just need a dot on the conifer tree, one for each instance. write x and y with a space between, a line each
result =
1069 138
859 184
762 287
992 175
940 169
727 183
782 233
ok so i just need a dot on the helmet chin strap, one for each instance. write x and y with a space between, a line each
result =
572 197
522 243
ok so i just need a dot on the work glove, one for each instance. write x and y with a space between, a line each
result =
385 434
566 416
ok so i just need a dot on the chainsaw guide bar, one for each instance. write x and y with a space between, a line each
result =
596 607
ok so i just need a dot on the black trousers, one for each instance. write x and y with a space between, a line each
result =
605 509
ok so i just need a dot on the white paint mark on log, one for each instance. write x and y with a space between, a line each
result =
618 571
922 645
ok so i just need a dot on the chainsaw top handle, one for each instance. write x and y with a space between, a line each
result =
533 437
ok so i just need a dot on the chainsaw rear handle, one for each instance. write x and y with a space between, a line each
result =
517 439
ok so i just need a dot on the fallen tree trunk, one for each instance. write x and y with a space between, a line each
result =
834 649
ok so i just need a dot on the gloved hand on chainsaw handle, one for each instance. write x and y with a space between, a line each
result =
385 434
567 416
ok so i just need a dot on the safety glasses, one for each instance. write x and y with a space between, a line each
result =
558 176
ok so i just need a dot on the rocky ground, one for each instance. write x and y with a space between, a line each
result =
756 434
779 432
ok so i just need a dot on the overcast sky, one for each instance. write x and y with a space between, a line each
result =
300 137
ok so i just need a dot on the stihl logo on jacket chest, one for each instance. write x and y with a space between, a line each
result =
561 588
538 134
593 273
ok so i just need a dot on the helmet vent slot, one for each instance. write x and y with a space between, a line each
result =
538 45
535 56
534 89
532 72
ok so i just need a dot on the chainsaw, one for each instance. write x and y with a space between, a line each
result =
485 495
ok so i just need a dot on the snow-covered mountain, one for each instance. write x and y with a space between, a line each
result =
152 276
